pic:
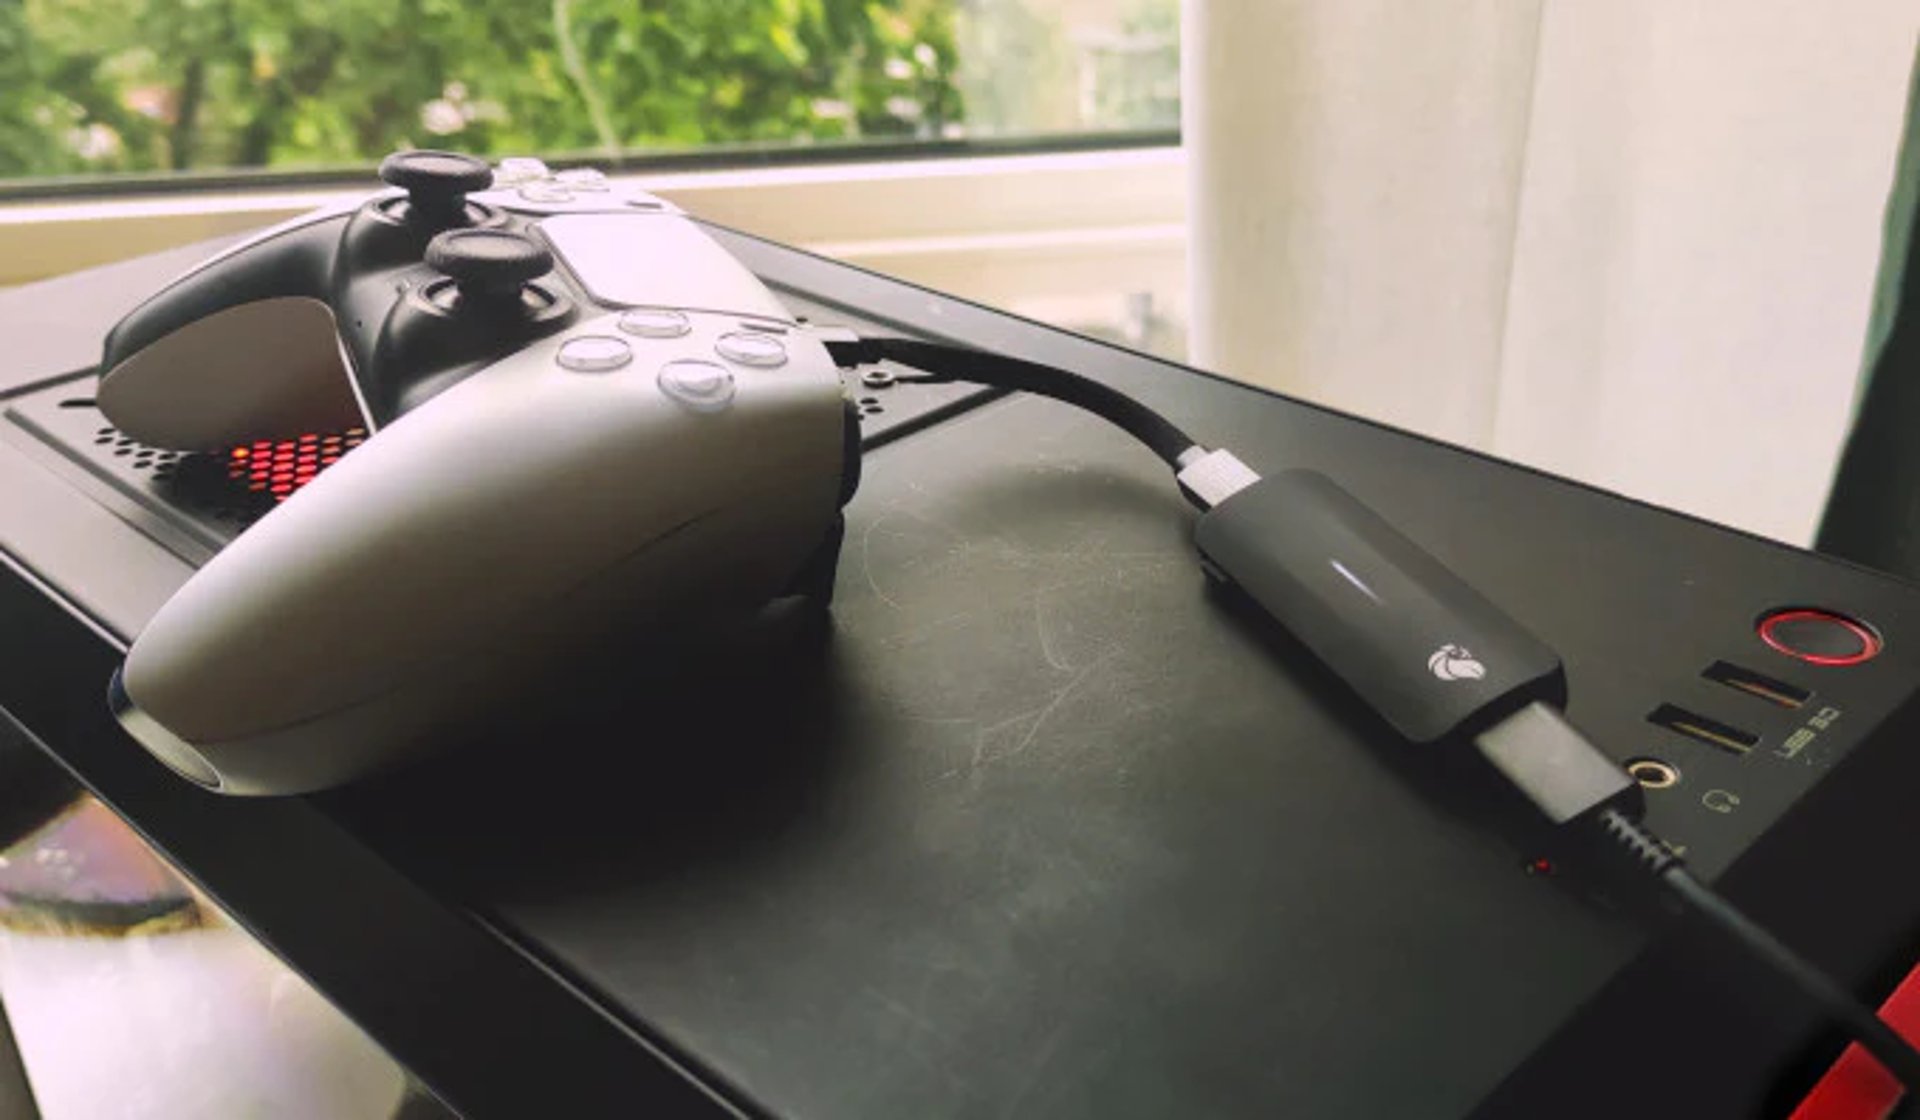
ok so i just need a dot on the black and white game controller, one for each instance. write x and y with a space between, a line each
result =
658 440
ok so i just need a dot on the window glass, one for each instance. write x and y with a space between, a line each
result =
177 87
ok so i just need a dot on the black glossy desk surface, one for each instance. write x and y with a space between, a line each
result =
1038 827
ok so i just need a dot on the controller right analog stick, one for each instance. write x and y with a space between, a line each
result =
488 266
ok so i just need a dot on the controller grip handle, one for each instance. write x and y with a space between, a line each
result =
242 347
1419 645
296 261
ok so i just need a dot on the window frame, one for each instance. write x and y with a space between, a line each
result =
1001 228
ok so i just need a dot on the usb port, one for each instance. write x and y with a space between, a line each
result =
1696 726
1757 684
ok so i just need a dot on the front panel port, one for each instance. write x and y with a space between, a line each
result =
1703 728
1771 689
1653 773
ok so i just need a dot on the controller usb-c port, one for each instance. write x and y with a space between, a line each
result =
1696 726
1757 684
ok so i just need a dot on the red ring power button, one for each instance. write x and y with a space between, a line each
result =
1819 637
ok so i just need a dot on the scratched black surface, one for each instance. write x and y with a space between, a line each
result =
1034 831
1041 829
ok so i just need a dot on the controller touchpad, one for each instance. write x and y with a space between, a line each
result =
656 260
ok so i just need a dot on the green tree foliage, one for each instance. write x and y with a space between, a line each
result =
135 85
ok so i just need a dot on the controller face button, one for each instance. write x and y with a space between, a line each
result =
583 179
655 322
749 349
515 170
701 386
594 353
545 192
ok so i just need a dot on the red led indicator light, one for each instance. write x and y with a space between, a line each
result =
1820 637
282 466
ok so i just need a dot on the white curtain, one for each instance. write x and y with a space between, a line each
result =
1630 241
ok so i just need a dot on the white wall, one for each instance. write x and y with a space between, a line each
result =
1698 244
1355 172
1631 241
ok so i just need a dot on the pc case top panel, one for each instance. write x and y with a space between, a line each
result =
1042 828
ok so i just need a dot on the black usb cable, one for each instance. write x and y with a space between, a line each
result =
1427 652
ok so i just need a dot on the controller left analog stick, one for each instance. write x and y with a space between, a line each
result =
437 183
488 266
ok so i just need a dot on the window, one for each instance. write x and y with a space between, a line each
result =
103 91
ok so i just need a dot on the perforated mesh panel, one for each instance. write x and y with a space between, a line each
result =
279 467
233 487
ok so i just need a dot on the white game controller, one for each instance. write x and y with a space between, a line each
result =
586 416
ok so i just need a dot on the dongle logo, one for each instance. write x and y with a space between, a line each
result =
1454 663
